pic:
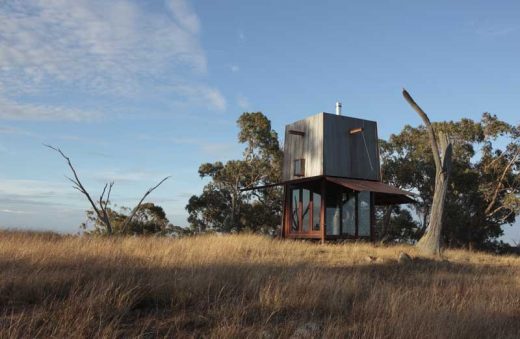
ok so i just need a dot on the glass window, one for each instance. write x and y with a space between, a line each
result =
306 213
299 167
333 212
295 203
364 214
316 211
349 214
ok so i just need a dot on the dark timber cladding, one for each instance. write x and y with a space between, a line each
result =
331 178
351 155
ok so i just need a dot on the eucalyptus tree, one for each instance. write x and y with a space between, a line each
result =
223 205
483 194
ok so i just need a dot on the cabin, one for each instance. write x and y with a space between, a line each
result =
332 178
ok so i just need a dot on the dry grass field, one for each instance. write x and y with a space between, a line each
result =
249 287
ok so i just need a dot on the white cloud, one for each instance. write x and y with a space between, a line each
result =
486 27
234 68
215 99
100 45
243 102
22 188
116 47
184 15
221 150
117 175
241 36
14 131
12 110
5 210
200 96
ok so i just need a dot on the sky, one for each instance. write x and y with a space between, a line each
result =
133 91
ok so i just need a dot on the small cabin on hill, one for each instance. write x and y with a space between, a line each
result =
332 178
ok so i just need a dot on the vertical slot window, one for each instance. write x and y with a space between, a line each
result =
299 167
364 214
306 213
316 211
295 205
349 214
333 212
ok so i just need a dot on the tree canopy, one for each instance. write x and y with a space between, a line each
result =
484 188
223 206
150 219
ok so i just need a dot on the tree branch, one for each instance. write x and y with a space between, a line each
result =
79 186
136 208
500 184
429 128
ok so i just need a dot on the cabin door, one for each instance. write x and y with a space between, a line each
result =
305 212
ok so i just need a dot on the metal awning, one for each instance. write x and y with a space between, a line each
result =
384 194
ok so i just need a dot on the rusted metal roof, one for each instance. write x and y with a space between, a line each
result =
366 185
384 194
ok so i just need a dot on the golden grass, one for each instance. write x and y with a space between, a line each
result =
248 286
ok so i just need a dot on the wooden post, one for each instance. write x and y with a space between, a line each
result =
323 221
284 212
356 213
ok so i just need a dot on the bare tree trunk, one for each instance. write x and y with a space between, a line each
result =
430 243
387 216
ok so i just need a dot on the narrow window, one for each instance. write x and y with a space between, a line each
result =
306 213
333 212
316 211
299 167
349 214
364 214
295 215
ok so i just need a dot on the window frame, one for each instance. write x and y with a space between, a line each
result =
300 229
299 164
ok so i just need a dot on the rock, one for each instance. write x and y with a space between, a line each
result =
404 259
266 334
308 330
371 259
374 260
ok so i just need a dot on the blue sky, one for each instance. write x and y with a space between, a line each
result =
136 90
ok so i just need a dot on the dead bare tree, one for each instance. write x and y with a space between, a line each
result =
101 209
430 243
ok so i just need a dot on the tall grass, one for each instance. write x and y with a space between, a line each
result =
248 286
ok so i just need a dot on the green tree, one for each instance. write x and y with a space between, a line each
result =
484 189
150 219
397 224
223 205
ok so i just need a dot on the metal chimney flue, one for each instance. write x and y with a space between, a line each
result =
338 108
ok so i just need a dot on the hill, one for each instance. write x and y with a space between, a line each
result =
248 286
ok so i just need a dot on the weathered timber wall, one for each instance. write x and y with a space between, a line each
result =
308 147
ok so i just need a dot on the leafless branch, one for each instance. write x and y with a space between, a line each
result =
136 208
79 186
104 199
500 184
